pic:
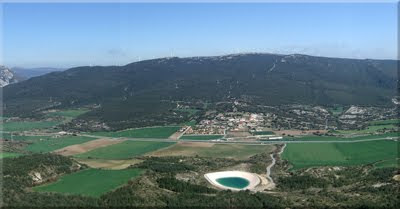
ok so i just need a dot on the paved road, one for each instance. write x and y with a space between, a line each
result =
241 141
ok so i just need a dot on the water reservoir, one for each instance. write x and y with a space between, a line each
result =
234 182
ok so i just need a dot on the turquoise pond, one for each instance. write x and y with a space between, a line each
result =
234 182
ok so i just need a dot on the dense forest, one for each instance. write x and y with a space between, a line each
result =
146 93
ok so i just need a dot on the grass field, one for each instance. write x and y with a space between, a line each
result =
22 137
90 182
154 132
26 126
334 138
8 154
235 151
395 163
73 113
124 150
201 137
51 144
302 155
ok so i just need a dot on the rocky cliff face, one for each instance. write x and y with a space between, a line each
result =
6 76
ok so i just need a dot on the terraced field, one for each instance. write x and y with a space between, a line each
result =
152 132
302 155
50 144
90 182
124 150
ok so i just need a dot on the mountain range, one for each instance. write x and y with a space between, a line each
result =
151 88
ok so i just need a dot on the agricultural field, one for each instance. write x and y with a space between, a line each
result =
27 125
334 138
51 144
201 137
124 150
388 163
151 132
235 151
15 136
90 182
9 154
302 155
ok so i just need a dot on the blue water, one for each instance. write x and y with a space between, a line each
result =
234 182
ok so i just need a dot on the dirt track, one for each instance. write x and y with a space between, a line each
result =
87 146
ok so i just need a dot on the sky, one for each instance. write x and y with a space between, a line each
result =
75 34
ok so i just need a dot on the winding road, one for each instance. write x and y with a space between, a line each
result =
272 165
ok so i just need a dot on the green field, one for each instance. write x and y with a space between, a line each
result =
153 132
334 138
395 163
302 155
22 137
51 144
73 113
8 154
90 182
201 137
26 126
124 150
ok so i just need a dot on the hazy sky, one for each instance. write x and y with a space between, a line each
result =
65 35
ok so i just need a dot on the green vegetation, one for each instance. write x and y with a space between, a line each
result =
303 155
9 154
72 113
23 137
201 137
369 129
124 150
385 122
190 111
334 138
395 163
28 125
90 182
336 110
171 183
51 144
152 132
263 133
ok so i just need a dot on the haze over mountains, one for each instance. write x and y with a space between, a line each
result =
33 72
153 86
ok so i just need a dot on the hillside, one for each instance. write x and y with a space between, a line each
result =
150 88
7 76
